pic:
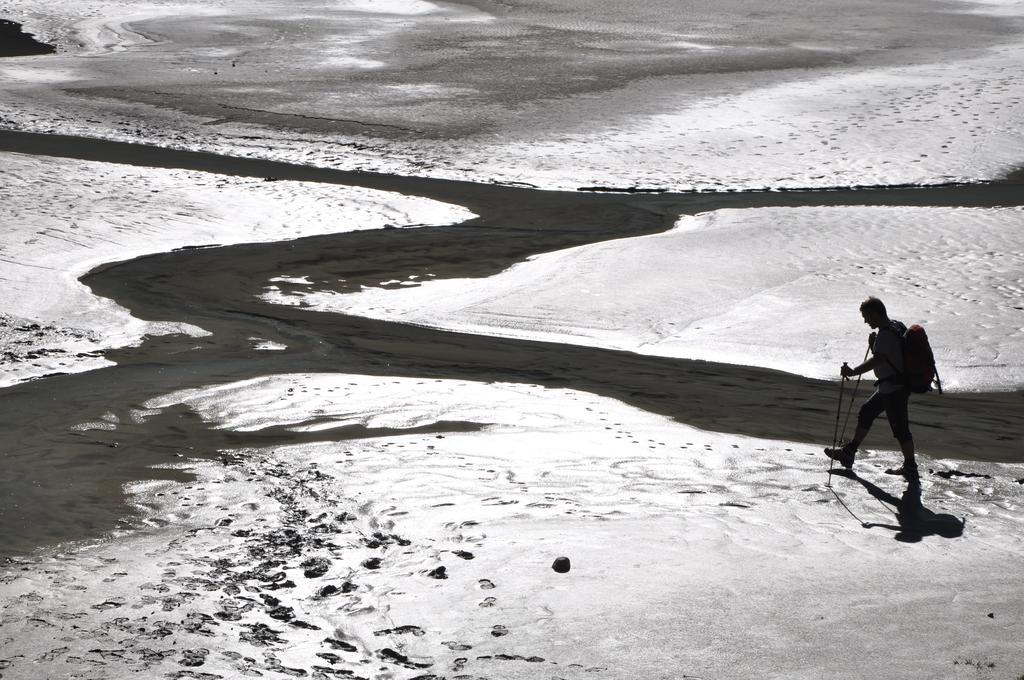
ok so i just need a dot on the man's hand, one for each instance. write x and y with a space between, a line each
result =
846 371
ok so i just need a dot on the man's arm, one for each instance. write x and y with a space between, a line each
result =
868 365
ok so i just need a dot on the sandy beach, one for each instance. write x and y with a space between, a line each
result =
326 338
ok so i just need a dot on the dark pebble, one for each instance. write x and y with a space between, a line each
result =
561 565
315 567
281 613
341 644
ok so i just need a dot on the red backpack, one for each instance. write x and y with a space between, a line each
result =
919 370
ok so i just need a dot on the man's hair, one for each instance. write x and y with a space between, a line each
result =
873 305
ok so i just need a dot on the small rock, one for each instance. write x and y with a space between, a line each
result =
315 567
341 644
281 613
561 565
439 573
305 625
372 563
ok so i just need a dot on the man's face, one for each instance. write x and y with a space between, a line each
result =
870 318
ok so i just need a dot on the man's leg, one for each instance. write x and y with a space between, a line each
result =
870 410
897 412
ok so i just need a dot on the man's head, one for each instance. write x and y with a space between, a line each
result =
873 311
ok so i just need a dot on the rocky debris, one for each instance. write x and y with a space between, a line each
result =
326 672
381 540
327 591
260 635
561 565
372 563
390 655
463 554
401 630
334 643
439 573
512 657
315 567
281 613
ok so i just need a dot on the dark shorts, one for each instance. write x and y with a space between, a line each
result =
895 406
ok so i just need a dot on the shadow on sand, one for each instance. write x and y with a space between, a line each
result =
913 520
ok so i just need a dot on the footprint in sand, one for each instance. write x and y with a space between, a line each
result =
499 631
488 602
486 584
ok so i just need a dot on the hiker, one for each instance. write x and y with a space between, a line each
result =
891 394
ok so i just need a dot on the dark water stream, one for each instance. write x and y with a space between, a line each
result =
14 42
63 483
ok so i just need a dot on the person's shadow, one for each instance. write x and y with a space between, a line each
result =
913 520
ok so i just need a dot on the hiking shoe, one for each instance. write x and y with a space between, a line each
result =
843 455
905 471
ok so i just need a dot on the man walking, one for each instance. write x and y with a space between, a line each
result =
891 394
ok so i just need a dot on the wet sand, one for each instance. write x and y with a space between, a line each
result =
68 482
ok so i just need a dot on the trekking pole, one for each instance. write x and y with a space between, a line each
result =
853 397
835 432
